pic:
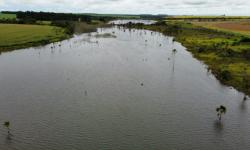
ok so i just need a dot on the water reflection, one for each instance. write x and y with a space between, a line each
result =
9 138
218 130
174 51
218 126
243 106
86 93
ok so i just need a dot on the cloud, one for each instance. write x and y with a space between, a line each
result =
1 2
196 7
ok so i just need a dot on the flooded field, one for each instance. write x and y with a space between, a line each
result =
116 89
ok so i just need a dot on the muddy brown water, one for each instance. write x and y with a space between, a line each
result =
126 91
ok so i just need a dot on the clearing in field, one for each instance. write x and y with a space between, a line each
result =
15 36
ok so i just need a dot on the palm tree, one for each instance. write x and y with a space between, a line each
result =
7 125
221 110
174 51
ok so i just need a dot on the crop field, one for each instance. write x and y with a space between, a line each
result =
7 16
205 17
238 27
14 36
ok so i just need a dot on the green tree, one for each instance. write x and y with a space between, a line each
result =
221 110
7 125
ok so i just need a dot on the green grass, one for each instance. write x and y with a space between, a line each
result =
7 16
16 36
43 22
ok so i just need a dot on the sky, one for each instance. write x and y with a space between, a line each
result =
170 7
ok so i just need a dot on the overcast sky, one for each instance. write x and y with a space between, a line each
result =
172 7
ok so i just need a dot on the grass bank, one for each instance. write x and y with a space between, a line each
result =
226 54
16 36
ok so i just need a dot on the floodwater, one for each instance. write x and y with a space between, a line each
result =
125 21
123 90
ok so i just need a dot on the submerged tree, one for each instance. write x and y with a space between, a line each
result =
7 125
244 98
174 51
246 82
221 110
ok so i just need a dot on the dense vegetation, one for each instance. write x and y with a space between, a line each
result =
226 54
49 16
88 17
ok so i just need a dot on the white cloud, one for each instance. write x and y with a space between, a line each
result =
198 7
1 2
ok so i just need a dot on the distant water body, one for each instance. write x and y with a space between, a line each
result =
147 22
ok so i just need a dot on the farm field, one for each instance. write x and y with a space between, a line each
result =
207 17
238 27
15 36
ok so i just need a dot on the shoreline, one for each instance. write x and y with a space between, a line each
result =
213 48
19 36
59 34
207 45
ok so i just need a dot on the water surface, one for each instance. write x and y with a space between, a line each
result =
125 21
123 91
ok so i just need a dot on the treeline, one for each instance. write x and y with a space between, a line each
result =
8 12
69 26
152 17
50 16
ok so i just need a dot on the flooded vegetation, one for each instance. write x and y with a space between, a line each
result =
105 35
117 88
225 53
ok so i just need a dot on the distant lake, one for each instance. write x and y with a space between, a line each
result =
116 89
148 22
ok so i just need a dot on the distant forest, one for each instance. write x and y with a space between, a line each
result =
51 16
